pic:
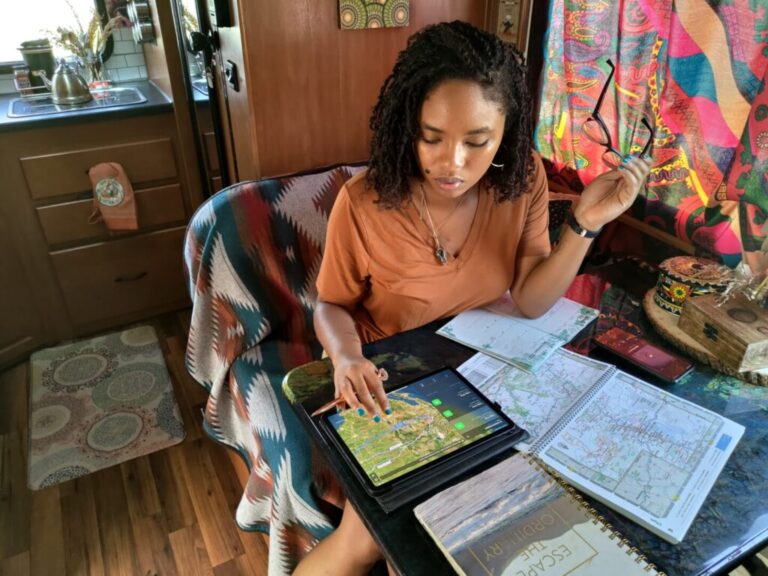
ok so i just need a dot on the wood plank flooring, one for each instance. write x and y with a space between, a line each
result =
170 513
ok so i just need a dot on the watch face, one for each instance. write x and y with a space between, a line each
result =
109 192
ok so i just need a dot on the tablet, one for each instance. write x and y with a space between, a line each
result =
440 426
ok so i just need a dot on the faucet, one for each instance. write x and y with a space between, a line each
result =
67 86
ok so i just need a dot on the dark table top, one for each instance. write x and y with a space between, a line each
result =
731 525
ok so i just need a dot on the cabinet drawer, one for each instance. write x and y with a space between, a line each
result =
67 172
68 222
123 277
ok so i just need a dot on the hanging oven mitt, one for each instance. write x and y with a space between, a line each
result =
113 198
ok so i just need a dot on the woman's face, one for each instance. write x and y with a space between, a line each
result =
461 130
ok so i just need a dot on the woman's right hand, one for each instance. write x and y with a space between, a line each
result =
360 383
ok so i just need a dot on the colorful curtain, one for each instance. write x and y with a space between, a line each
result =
694 70
746 188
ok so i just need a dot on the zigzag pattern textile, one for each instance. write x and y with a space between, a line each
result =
252 254
693 68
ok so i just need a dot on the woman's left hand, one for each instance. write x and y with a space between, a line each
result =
610 194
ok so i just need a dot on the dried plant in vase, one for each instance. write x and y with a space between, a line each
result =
86 44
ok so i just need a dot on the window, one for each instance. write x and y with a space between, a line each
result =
32 19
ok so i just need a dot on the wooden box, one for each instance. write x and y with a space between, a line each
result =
736 332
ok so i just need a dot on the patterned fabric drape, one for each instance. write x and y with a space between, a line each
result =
747 182
694 69
252 253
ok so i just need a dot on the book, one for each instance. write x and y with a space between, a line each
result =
500 330
515 519
641 450
535 402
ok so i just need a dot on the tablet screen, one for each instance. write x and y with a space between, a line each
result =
431 417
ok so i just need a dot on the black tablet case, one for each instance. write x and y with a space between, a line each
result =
435 474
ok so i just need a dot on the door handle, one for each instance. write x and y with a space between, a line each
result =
230 72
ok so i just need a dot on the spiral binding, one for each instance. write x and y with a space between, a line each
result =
598 519
542 442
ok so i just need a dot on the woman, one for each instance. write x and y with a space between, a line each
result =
451 213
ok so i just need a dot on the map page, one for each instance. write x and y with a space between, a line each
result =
647 453
431 417
501 331
535 402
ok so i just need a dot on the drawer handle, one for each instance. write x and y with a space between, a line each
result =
131 278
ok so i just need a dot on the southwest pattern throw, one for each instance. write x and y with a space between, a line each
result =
252 254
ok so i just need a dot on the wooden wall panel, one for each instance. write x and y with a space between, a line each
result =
312 86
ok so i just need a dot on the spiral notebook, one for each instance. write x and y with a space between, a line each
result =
641 450
515 518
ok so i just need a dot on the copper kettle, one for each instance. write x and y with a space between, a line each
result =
67 86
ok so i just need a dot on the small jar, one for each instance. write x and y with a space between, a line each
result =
95 71
22 81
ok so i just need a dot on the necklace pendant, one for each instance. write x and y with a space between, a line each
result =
441 255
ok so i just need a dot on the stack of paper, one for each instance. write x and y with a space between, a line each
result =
500 330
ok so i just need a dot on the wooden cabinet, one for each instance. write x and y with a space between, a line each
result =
19 324
69 222
63 277
114 280
62 173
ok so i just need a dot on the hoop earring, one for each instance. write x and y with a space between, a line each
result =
497 165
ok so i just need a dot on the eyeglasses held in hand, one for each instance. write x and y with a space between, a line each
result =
595 129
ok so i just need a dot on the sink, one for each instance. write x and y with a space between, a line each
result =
200 84
105 98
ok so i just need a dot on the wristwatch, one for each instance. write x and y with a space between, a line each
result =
583 232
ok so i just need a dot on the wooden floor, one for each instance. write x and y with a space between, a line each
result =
166 514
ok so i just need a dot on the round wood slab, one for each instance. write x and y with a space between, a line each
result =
665 323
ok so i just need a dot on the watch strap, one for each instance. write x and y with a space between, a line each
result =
583 232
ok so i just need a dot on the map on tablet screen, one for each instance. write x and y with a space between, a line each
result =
431 417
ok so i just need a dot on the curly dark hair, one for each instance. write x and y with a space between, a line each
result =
450 51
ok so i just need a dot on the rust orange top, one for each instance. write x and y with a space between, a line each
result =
380 264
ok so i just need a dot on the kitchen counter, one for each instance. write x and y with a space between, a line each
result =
200 97
199 89
156 103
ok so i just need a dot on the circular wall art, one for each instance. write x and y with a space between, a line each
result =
360 14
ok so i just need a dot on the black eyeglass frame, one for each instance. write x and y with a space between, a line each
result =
600 122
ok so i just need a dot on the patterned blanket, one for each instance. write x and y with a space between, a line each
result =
694 69
252 253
